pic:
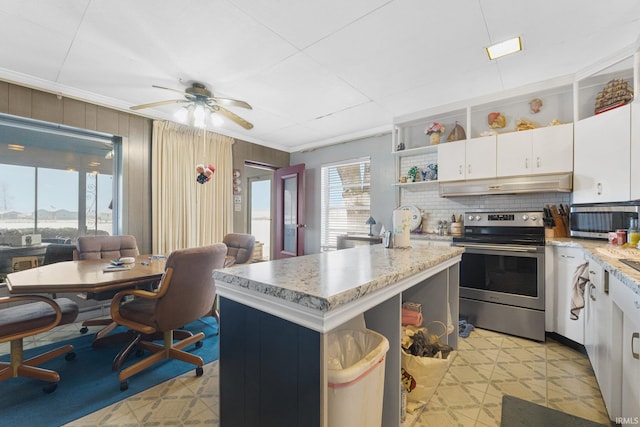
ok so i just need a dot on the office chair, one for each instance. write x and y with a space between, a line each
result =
108 248
239 248
38 315
57 252
185 294
239 251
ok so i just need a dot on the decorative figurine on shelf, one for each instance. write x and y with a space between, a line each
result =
204 173
524 124
535 105
430 173
434 131
496 120
413 174
457 133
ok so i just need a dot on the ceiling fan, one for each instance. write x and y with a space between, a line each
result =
199 102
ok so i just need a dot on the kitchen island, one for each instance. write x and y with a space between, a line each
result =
275 318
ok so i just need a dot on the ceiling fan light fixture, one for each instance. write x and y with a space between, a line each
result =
503 48
199 116
216 120
182 114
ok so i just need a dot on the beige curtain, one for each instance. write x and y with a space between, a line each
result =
185 213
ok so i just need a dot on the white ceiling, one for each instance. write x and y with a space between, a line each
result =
315 72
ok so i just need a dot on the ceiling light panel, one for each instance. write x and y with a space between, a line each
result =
503 48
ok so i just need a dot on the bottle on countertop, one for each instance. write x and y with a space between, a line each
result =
633 234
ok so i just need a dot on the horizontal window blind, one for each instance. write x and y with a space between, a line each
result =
346 200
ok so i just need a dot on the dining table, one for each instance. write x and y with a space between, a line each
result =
87 276
90 278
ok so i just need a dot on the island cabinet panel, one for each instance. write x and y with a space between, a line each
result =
277 318
268 366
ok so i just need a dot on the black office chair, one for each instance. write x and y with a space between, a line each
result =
57 253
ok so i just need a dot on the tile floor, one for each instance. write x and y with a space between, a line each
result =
488 365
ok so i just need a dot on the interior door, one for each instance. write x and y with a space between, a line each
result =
290 212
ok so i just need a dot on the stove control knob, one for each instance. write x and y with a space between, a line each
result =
534 218
470 217
478 217
525 217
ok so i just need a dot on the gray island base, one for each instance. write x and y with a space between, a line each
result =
275 318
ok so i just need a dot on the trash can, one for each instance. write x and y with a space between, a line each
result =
356 377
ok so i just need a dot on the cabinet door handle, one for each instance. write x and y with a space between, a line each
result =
538 162
459 169
469 169
599 188
526 163
591 288
633 337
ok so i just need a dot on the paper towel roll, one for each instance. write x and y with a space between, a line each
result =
401 226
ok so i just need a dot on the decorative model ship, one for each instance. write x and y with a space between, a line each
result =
615 94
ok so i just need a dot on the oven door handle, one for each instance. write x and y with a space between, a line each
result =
503 248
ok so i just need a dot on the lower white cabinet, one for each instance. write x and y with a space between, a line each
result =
625 352
566 261
598 329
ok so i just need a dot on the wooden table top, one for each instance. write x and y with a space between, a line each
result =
84 276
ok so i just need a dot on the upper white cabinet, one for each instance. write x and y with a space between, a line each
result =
601 165
471 159
538 151
635 151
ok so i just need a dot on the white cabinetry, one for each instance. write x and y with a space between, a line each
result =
601 157
538 151
597 328
472 159
566 261
635 151
626 351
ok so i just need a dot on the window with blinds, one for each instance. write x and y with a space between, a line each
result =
346 200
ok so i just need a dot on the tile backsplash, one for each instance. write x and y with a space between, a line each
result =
435 208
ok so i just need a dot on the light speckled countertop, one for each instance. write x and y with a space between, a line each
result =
328 280
607 256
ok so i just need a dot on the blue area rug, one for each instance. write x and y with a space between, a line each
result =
88 383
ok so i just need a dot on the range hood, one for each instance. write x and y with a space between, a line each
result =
561 183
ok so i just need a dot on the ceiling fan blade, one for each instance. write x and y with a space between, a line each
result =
158 103
231 102
180 91
228 114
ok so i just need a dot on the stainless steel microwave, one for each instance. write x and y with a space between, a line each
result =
596 220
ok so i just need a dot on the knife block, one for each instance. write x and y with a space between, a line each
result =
555 231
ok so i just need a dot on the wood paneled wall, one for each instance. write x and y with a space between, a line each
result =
246 151
136 145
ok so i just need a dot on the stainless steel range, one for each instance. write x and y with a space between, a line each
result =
502 272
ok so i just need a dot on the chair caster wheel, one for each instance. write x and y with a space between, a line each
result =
84 330
50 388
70 356
199 344
199 371
124 385
139 352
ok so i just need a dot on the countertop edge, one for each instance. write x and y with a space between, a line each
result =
627 275
414 262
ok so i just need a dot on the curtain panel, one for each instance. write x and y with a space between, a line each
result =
185 213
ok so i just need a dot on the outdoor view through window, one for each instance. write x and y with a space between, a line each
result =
54 187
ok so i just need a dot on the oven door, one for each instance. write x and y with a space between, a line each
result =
503 274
